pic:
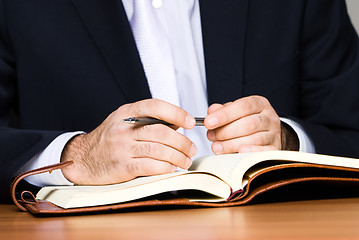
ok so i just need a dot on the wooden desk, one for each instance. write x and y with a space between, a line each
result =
316 219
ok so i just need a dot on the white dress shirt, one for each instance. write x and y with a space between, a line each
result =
181 21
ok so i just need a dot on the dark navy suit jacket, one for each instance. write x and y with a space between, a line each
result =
66 64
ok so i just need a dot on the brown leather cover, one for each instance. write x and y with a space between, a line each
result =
263 181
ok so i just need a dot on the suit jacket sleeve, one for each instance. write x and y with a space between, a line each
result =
329 88
17 146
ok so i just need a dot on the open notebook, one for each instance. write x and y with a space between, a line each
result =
222 180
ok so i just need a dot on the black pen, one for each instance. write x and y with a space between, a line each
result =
150 120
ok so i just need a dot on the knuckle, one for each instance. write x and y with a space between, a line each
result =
116 129
160 131
124 108
139 108
147 129
261 119
272 147
262 100
154 150
218 134
229 146
150 103
276 120
144 132
262 103
165 168
260 139
182 143
266 122
242 148
133 168
143 150
173 168
178 160
252 126
246 106
180 115
174 159
187 145
154 131
268 139
169 168
147 149
133 109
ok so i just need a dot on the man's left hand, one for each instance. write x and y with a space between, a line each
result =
246 125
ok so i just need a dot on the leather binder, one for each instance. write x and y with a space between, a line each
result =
264 181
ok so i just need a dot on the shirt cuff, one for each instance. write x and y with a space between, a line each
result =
305 143
50 155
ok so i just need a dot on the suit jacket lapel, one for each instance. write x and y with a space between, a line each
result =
107 23
224 28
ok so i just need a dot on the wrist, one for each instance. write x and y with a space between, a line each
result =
75 150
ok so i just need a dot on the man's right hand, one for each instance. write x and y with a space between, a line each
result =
116 152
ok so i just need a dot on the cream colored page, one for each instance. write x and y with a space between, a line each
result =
232 167
105 188
229 167
312 158
78 197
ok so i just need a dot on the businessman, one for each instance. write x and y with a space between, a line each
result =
266 75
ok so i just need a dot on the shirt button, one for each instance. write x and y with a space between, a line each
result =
157 3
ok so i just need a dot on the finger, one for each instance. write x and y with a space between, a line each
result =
243 127
161 152
236 110
162 110
214 107
255 148
148 167
258 139
162 134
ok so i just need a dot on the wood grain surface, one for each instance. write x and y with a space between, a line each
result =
314 219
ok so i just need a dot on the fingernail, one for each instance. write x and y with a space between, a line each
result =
211 136
217 148
190 121
212 121
188 163
193 150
